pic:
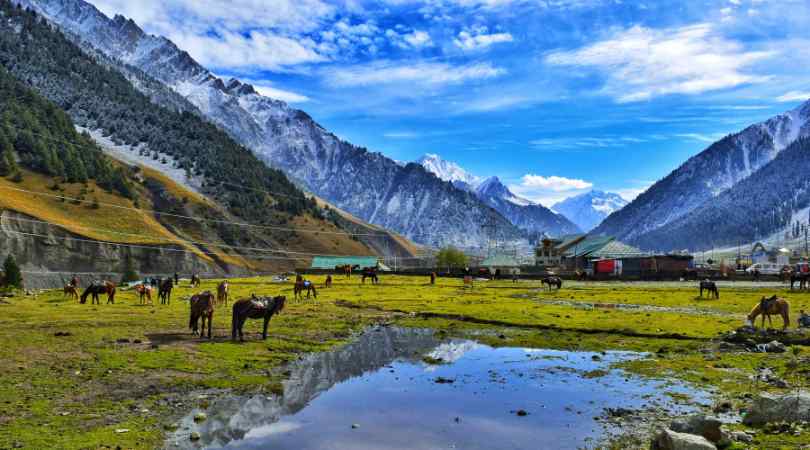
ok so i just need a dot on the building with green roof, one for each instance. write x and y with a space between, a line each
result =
330 262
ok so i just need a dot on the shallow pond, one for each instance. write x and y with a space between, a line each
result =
386 391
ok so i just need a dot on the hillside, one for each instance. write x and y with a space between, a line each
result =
706 175
757 207
372 187
68 207
100 99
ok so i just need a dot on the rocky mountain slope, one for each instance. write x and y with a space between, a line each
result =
39 102
368 185
707 175
756 207
589 209
523 213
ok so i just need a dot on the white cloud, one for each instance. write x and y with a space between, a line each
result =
700 137
549 190
640 63
235 50
290 15
553 183
794 96
427 73
418 39
280 94
479 38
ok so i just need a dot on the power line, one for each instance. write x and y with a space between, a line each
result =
148 247
197 219
176 240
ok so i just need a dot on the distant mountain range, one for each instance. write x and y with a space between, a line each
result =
521 212
741 188
589 209
407 199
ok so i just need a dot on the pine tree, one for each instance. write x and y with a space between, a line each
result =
13 276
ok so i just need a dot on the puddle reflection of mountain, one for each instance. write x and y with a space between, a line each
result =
231 418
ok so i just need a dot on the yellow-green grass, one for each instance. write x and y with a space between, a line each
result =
76 391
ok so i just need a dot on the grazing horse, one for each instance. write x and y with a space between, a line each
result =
768 307
801 278
370 272
201 308
144 293
97 288
165 291
70 291
432 278
222 294
328 283
552 282
302 285
254 308
195 280
711 288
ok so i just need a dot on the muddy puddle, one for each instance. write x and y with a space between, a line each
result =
396 388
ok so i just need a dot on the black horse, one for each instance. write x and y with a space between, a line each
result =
254 308
801 278
95 289
711 288
552 282
165 291
370 272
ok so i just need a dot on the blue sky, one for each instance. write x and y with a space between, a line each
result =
552 96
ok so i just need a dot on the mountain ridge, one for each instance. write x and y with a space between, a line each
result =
708 174
375 188
589 209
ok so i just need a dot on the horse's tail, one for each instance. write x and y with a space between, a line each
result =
192 316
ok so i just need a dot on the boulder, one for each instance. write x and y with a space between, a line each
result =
777 408
701 425
775 347
742 436
672 440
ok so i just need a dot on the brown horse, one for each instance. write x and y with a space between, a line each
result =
144 293
201 308
345 269
195 280
222 294
552 282
165 291
70 291
302 285
711 288
768 307
254 308
328 283
432 278
95 289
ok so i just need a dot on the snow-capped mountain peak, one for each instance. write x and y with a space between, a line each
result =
449 171
589 209
493 187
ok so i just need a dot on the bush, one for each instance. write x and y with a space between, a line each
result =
130 274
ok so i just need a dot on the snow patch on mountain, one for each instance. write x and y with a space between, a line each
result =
449 171
589 209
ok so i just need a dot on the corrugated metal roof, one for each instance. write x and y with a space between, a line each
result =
616 249
500 261
330 262
589 245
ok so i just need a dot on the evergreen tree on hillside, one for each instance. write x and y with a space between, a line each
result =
8 165
12 277
98 98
